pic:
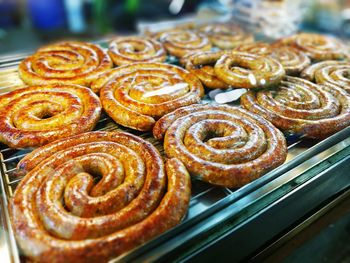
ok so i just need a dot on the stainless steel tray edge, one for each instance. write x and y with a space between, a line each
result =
8 247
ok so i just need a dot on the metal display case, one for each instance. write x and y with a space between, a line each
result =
221 223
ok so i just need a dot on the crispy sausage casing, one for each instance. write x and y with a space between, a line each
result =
225 35
36 115
259 48
202 64
293 60
243 70
318 47
135 95
60 213
127 50
301 107
65 63
220 144
182 42
329 72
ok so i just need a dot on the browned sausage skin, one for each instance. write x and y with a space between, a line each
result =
201 64
301 107
65 63
225 35
222 145
59 215
318 47
182 42
292 59
36 115
329 72
244 70
259 48
132 49
135 95
310 72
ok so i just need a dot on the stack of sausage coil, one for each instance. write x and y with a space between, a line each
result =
59 215
92 196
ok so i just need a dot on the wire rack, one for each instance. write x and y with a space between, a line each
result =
203 197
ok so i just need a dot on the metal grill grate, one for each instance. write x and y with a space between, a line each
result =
203 195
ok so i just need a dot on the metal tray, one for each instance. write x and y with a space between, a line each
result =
206 200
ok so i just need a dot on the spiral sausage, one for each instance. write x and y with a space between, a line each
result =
36 115
127 50
329 71
309 72
298 106
222 145
258 48
59 213
292 59
65 63
225 36
201 65
152 32
317 47
134 95
243 70
182 42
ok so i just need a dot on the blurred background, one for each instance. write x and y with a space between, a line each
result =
27 24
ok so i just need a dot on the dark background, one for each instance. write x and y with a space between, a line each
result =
27 24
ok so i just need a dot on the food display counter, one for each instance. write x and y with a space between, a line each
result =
221 223
275 199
